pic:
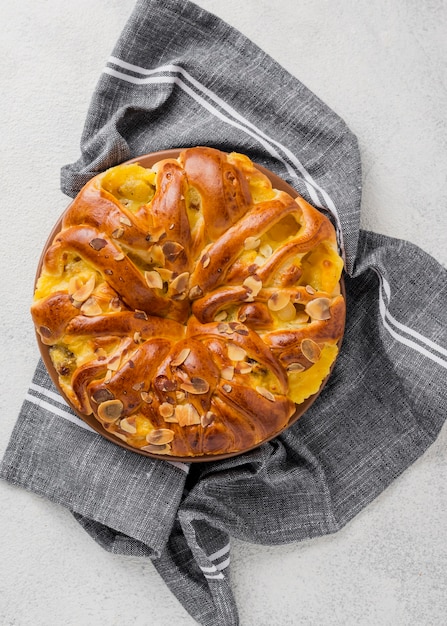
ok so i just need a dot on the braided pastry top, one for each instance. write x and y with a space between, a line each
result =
190 306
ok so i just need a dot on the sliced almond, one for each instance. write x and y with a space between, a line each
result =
251 243
114 363
139 386
288 313
165 273
154 449
119 256
310 350
156 255
295 367
146 397
166 409
180 283
301 318
108 377
153 279
226 387
140 315
187 415
195 292
90 308
98 243
160 436
266 250
310 289
171 250
205 260
137 336
223 327
115 304
243 368
319 309
181 357
84 291
221 316
110 410
227 372
128 425
118 233
235 352
125 220
253 284
278 301
265 393
195 386
207 419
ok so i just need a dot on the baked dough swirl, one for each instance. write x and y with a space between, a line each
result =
190 306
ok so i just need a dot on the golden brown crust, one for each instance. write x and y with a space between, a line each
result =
190 305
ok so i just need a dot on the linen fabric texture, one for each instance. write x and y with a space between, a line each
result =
181 77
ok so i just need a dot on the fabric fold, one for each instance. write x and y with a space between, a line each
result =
179 76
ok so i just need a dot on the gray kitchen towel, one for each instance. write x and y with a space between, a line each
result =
179 77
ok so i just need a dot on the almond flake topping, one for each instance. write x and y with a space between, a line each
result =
154 449
223 327
278 301
310 289
90 308
119 256
110 410
310 350
187 415
288 313
180 283
265 393
160 436
207 419
206 260
114 363
108 377
318 309
243 368
253 284
85 291
172 249
295 367
266 250
181 357
118 233
125 220
98 243
165 273
195 292
153 279
196 385
146 397
236 353
128 425
227 388
251 243
221 316
227 373
166 410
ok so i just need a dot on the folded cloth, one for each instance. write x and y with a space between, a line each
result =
179 77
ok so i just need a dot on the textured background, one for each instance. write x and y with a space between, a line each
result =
382 67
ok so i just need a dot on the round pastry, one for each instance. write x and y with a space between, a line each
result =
190 306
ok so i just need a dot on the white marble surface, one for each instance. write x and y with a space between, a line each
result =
380 65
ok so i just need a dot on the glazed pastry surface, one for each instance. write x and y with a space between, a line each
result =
190 306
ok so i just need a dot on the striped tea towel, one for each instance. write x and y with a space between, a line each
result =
181 77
